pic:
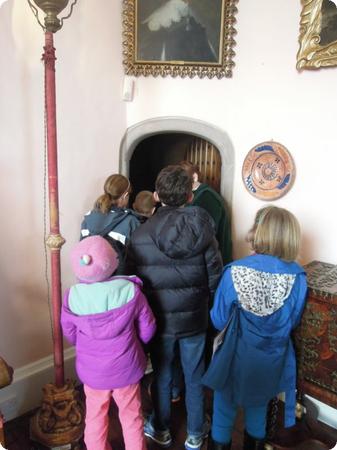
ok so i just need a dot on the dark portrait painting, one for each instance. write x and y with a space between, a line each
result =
179 31
184 38
329 22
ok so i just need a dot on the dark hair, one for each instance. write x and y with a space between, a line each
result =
173 186
121 252
190 168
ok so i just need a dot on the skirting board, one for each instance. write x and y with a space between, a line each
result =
25 392
326 413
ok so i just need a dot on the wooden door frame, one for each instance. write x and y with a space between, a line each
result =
175 124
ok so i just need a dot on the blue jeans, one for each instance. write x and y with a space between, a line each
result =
178 378
224 416
192 354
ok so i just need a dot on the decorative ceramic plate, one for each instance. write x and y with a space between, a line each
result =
268 170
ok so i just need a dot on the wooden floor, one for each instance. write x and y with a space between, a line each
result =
17 431
305 436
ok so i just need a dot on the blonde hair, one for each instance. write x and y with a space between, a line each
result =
115 187
144 203
275 232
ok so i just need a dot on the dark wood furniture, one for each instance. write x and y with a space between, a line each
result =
316 338
316 349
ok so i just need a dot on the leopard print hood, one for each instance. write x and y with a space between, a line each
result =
261 293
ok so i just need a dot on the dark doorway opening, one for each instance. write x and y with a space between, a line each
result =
157 151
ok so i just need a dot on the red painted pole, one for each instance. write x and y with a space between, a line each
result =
55 240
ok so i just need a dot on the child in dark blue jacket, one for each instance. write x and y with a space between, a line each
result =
110 215
268 292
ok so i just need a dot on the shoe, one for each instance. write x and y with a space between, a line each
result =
175 395
251 443
195 443
175 398
213 445
162 438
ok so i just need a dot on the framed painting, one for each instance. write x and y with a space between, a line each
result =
318 34
183 38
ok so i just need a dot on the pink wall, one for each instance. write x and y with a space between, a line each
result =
91 121
266 99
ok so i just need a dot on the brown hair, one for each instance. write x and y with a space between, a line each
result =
115 187
144 203
174 186
190 168
275 232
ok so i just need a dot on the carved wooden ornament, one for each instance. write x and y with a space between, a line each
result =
268 170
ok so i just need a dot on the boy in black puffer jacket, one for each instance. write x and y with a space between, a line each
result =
176 255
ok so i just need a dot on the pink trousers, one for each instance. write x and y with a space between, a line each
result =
130 416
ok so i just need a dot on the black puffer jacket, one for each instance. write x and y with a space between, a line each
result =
176 255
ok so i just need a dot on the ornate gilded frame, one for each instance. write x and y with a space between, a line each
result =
220 69
311 54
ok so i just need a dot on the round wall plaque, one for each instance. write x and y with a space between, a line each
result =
268 170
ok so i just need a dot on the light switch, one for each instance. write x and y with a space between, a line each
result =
128 89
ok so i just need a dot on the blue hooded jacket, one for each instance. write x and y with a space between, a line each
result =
118 223
270 295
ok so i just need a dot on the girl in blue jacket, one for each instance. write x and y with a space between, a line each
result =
110 215
267 291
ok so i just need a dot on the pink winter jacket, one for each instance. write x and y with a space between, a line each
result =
107 322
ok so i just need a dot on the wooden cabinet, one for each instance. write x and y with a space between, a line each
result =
316 337
316 351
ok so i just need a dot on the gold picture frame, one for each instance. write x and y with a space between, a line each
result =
155 42
318 34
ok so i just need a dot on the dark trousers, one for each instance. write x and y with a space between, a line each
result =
192 355
178 379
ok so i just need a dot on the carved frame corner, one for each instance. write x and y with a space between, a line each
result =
312 55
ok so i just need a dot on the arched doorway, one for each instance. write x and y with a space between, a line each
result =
173 127
159 150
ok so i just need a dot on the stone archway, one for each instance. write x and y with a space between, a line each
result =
159 125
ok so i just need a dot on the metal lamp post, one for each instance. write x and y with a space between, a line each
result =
59 422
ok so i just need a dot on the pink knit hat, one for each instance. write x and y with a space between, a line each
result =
93 259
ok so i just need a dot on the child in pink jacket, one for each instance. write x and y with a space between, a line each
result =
106 318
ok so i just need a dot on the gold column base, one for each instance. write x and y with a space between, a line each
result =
6 373
299 410
60 420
